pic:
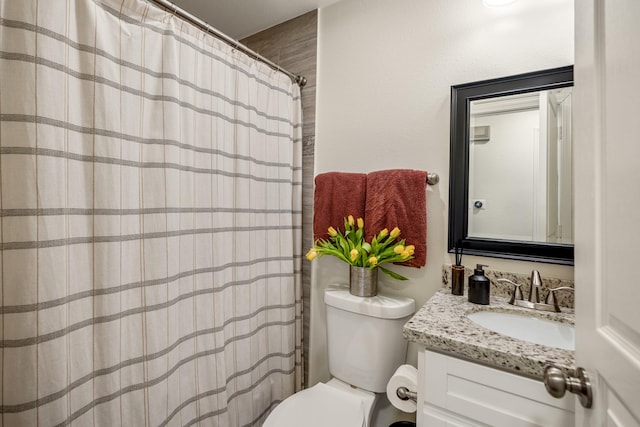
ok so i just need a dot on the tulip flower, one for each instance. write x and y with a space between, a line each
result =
312 254
408 251
350 246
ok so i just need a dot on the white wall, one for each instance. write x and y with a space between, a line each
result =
385 69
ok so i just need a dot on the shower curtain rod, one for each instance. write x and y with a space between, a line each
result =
300 80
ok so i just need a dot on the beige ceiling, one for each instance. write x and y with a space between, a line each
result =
242 18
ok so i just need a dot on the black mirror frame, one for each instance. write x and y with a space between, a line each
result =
461 97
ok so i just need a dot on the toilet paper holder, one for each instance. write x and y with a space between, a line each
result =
405 394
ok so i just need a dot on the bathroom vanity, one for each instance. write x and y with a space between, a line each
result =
470 375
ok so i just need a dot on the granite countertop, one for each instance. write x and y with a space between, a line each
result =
441 325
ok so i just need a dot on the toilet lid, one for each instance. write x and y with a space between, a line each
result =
318 406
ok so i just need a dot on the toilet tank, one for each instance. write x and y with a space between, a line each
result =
364 337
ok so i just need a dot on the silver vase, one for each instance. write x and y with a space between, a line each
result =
363 282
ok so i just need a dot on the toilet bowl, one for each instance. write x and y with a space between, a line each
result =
332 404
365 347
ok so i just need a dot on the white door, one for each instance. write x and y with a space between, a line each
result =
607 184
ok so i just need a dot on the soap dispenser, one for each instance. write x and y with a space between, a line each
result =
479 286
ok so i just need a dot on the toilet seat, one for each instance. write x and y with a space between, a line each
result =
323 405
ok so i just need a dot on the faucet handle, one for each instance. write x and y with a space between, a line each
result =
551 296
517 292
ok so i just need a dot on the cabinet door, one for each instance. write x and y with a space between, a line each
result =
454 392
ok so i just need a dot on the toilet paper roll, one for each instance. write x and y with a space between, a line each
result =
405 376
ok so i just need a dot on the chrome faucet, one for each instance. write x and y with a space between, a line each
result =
536 285
534 301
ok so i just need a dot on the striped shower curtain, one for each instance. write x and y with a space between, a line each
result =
150 190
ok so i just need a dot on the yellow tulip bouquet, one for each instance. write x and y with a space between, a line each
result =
352 248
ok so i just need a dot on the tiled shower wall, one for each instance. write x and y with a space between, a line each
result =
293 46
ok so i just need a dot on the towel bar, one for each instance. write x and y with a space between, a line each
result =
433 178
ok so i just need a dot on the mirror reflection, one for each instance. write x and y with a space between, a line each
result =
520 167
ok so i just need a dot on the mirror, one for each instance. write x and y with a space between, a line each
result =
511 190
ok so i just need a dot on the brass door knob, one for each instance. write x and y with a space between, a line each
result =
557 383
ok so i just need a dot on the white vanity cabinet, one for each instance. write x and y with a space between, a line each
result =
455 392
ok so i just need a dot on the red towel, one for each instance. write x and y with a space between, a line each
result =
398 198
337 195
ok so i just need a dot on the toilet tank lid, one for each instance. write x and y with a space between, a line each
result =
384 307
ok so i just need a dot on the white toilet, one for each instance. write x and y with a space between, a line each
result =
366 346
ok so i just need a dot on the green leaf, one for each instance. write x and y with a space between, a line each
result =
392 274
345 247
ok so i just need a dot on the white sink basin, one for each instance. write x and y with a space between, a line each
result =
527 328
